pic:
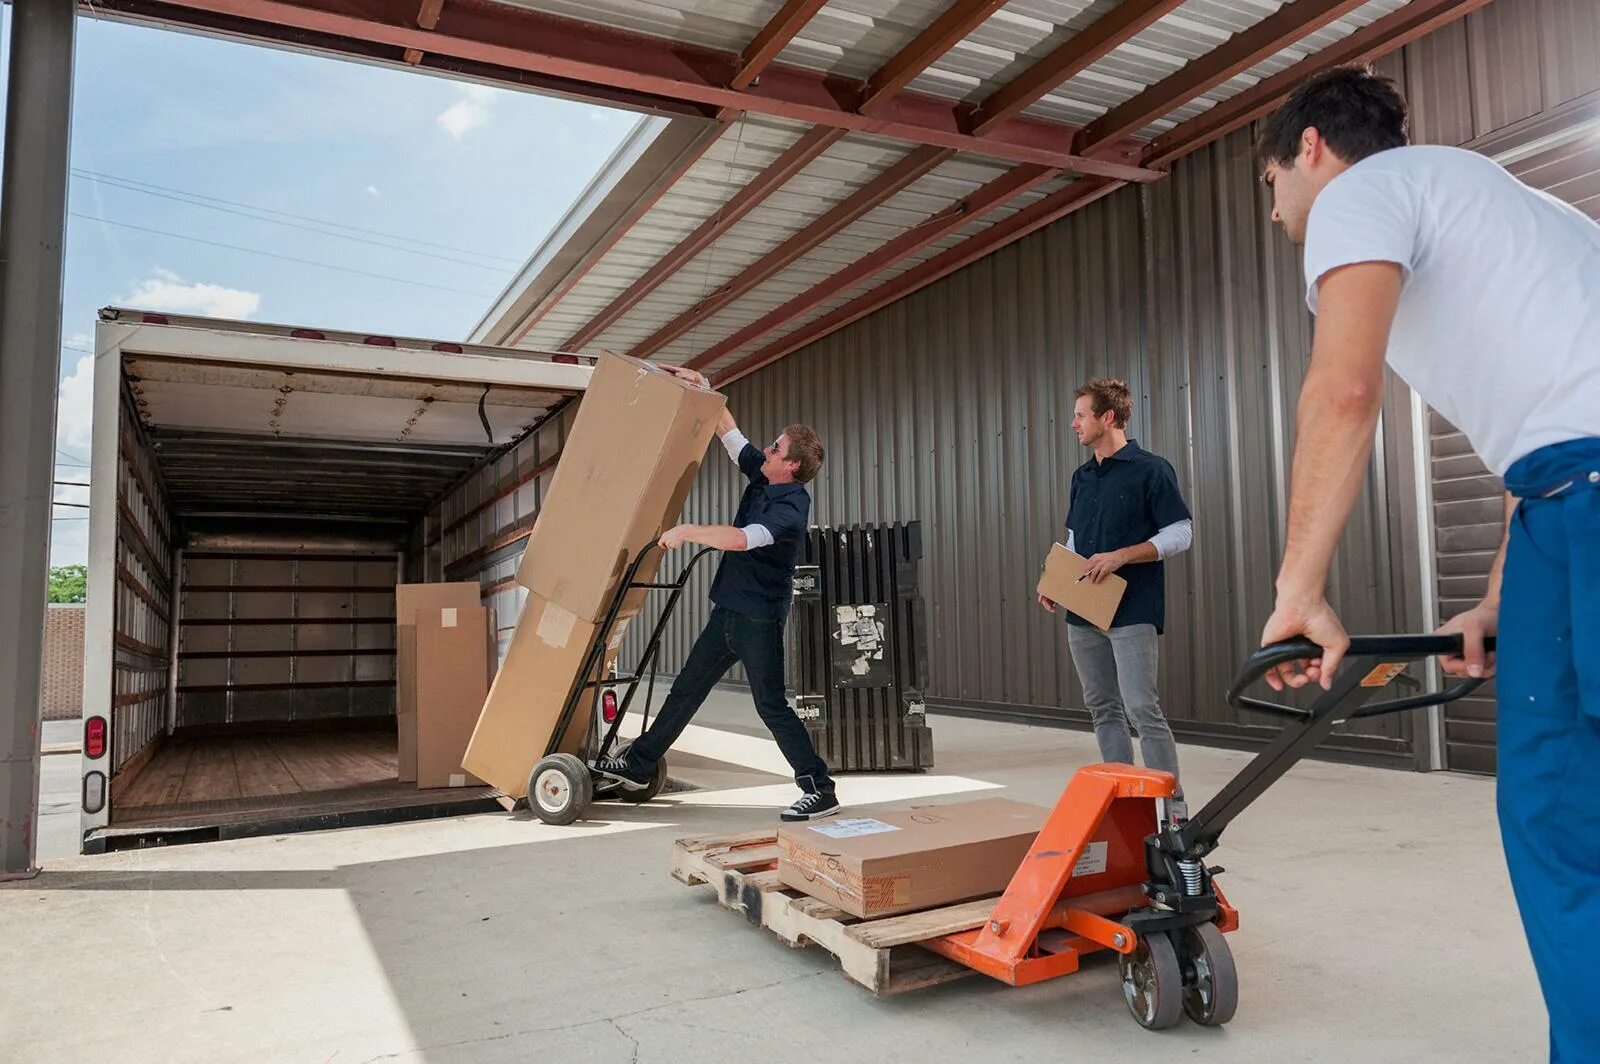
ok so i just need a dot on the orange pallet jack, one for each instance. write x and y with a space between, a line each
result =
1119 866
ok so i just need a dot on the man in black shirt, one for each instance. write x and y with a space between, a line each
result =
750 597
1126 516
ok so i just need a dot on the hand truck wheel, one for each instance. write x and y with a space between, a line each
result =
1152 982
1211 981
560 789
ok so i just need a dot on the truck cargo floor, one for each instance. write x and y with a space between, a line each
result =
229 786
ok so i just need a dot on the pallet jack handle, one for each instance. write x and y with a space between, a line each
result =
1397 649
1371 663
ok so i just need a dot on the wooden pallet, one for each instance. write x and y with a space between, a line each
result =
881 955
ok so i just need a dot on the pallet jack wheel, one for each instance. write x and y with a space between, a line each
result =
1152 982
1211 986
560 789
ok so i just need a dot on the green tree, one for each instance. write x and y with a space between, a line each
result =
69 583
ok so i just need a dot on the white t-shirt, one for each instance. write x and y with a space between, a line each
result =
1498 326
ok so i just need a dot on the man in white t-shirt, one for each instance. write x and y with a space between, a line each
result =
1485 296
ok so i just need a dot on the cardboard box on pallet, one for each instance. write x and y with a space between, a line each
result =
909 859
625 470
452 676
409 599
524 704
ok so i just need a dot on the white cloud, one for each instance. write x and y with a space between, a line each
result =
76 409
166 291
468 113
372 190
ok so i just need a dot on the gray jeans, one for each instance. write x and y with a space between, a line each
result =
1118 673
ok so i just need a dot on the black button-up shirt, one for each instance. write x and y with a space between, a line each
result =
760 582
1118 503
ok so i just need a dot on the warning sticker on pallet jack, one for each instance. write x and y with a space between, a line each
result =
1093 861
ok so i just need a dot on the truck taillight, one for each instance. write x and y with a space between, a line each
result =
94 737
564 360
449 349
94 792
380 341
608 706
308 334
154 319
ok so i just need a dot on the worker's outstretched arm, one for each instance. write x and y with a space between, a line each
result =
1338 416
722 537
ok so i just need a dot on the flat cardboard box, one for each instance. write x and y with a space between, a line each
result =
408 600
1095 603
884 863
625 470
452 668
519 716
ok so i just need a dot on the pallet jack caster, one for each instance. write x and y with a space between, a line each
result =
1172 974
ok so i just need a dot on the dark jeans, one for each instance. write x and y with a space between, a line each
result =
757 644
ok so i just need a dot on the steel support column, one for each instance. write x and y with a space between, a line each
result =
33 226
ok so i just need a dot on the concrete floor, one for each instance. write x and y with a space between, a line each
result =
1377 925
60 778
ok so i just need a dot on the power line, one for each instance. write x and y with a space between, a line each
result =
74 505
275 255
92 175
70 483
196 202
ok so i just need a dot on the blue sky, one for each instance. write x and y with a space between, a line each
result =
159 116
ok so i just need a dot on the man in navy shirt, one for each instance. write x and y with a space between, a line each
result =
750 597
1126 516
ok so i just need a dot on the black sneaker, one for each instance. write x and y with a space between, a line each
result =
617 770
811 806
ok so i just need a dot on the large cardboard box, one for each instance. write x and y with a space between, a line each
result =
909 859
409 599
524 703
625 470
452 667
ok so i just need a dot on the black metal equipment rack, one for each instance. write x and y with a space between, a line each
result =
859 647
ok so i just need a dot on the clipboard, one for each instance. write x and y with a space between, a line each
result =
1095 603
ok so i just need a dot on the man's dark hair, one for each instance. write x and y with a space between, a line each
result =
1357 112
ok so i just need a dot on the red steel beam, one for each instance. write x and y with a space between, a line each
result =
1393 31
773 38
582 59
1057 205
791 162
947 31
1290 23
1109 32
1001 190
897 177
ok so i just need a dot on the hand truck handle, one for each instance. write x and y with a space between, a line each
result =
1396 648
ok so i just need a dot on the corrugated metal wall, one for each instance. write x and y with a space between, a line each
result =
953 406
